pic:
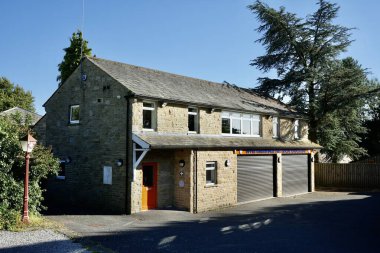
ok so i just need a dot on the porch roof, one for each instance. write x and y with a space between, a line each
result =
176 141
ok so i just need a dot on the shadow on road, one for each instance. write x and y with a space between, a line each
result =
350 225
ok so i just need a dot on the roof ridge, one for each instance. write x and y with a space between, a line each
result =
163 72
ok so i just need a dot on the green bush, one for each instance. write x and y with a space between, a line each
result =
8 218
12 172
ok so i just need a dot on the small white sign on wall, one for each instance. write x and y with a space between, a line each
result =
107 175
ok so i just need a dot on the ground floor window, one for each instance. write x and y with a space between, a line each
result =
210 173
61 173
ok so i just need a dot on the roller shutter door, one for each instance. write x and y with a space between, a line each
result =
295 174
254 178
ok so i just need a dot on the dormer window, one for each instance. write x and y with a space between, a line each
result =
149 116
234 123
193 120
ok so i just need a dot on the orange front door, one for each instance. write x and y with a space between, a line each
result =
149 186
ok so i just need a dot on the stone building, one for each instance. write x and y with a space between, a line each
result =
132 139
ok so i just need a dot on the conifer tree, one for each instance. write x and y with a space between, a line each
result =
78 48
305 53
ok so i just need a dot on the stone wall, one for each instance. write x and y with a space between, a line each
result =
40 131
224 192
267 127
183 182
210 122
98 140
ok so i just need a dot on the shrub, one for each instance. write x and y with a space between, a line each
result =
12 171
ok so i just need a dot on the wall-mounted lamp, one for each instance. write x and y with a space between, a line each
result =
227 163
119 162
181 163
65 160
163 104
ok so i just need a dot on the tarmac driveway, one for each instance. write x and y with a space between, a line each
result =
316 222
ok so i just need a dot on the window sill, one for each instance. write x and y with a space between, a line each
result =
73 124
240 135
148 130
192 132
211 185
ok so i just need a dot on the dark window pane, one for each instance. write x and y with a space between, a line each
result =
148 176
61 171
147 119
74 116
148 105
192 123
209 176
225 126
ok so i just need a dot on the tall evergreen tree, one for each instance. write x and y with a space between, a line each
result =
304 52
78 48
12 95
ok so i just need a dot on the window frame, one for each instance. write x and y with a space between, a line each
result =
196 120
296 126
153 110
252 118
62 170
71 121
215 172
276 121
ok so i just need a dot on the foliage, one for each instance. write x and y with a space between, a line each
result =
12 95
12 170
371 139
73 54
329 90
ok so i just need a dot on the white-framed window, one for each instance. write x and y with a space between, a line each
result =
234 123
149 116
74 114
193 120
276 127
210 173
296 129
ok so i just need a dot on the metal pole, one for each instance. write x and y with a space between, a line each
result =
25 216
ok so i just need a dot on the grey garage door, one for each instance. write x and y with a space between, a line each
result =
254 177
295 175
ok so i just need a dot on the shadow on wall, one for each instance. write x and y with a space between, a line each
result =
325 226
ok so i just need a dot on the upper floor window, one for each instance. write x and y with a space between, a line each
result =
276 127
296 129
74 114
240 123
193 120
149 115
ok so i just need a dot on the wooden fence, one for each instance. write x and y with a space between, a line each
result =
352 175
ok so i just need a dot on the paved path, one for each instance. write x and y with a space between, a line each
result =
316 222
38 241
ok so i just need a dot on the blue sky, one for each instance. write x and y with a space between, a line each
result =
208 39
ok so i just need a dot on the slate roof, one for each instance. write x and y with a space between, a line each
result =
172 141
149 83
17 110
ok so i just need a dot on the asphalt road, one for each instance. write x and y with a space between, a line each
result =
317 222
